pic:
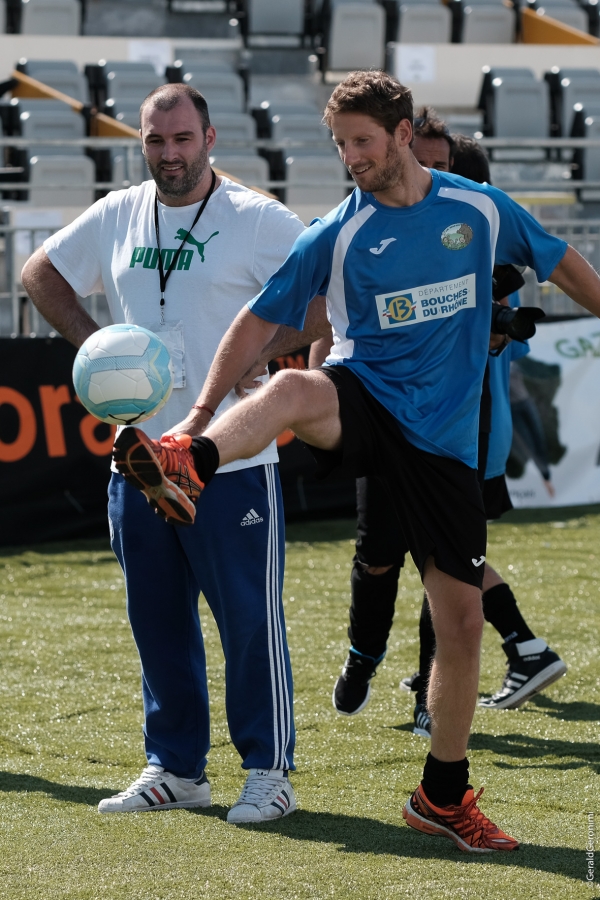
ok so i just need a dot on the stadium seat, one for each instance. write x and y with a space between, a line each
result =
467 123
356 37
65 171
50 120
566 11
588 160
62 75
223 92
125 169
233 130
520 107
568 87
126 111
251 170
275 17
283 95
486 96
424 23
204 56
131 85
305 128
488 22
209 62
49 17
304 175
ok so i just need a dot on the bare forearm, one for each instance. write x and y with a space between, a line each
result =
286 340
243 343
319 351
56 299
576 277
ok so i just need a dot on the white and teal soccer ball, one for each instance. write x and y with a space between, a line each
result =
123 374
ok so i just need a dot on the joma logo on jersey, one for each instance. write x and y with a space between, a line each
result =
400 309
426 303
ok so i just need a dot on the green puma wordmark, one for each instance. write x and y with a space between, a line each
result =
182 235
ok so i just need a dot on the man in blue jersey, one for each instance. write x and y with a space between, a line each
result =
405 263
532 665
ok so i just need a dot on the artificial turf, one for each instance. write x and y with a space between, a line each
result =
71 734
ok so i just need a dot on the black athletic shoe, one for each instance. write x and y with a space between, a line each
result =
353 688
407 683
531 667
422 721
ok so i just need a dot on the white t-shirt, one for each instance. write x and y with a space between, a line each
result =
240 240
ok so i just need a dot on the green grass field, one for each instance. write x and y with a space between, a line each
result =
71 734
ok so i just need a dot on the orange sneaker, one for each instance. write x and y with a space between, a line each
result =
466 825
163 470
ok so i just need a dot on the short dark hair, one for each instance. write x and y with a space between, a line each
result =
375 94
428 126
470 159
167 97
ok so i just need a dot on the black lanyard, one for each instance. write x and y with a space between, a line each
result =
161 270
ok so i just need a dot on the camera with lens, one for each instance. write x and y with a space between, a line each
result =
517 323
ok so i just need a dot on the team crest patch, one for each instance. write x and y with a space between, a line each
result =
457 237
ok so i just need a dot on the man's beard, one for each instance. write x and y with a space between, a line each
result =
390 173
186 182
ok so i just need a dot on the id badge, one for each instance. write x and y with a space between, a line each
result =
171 333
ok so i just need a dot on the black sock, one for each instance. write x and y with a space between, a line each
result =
426 649
372 609
500 610
206 457
445 783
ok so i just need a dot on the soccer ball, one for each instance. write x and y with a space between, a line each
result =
123 374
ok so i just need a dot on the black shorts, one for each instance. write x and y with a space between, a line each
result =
437 500
496 499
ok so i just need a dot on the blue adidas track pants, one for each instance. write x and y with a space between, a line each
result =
234 555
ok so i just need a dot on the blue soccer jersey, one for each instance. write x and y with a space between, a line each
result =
409 292
502 429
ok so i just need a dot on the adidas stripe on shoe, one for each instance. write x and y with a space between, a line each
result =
531 667
163 470
266 795
157 789
465 824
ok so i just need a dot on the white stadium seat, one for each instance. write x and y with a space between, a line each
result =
63 77
357 37
306 128
250 170
66 171
488 22
566 11
223 92
235 128
424 23
283 95
276 16
61 17
131 85
304 175
50 120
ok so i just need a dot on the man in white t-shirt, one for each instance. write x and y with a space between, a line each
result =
234 551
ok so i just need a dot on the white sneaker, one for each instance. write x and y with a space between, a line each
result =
158 789
267 794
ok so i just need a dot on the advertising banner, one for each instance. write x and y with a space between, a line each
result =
55 457
555 404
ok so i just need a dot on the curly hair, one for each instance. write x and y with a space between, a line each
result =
375 94
428 126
